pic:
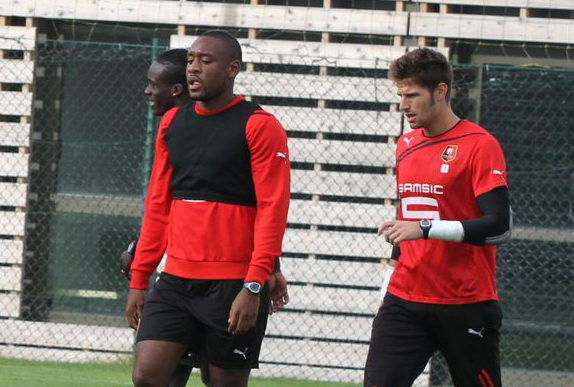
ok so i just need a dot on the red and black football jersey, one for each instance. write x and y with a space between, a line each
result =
439 178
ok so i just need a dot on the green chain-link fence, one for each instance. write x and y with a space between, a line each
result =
89 181
89 159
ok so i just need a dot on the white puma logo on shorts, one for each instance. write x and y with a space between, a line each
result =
242 353
473 332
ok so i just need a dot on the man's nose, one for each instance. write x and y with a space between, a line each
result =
402 105
193 67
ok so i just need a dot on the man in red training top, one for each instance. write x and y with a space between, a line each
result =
217 206
453 210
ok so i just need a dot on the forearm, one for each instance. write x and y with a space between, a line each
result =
271 172
493 227
270 224
151 246
153 234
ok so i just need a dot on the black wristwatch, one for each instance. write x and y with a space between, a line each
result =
132 248
253 287
425 225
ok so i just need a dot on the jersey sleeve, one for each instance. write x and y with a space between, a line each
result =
152 241
488 167
271 171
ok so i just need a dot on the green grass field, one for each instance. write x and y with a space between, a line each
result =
23 373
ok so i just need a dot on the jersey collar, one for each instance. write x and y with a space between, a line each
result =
236 100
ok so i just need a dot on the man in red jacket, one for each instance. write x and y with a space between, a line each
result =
217 206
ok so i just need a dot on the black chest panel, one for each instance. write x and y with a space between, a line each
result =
210 156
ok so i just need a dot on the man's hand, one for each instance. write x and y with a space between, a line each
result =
278 295
134 307
127 258
396 231
243 313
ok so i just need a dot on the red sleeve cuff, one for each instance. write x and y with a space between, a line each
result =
140 280
257 274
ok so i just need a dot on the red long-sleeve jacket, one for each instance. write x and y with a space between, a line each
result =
213 239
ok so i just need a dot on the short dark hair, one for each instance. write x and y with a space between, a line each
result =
231 43
175 62
426 67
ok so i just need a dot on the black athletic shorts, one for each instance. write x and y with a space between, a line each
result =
195 313
405 334
190 359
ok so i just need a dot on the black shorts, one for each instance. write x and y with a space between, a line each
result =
195 313
405 335
190 359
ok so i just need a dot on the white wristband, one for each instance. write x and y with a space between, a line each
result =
389 270
448 230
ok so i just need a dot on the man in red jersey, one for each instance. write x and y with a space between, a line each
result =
453 210
166 89
217 206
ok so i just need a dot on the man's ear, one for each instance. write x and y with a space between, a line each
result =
177 89
233 68
441 91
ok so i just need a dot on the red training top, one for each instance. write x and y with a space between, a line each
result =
214 240
439 178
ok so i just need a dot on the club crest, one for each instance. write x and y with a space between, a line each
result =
449 153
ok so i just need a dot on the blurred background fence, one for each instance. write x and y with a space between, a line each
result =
75 151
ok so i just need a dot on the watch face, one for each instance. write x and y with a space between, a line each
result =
425 223
253 287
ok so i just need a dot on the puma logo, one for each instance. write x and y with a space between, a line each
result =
242 353
282 155
478 333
